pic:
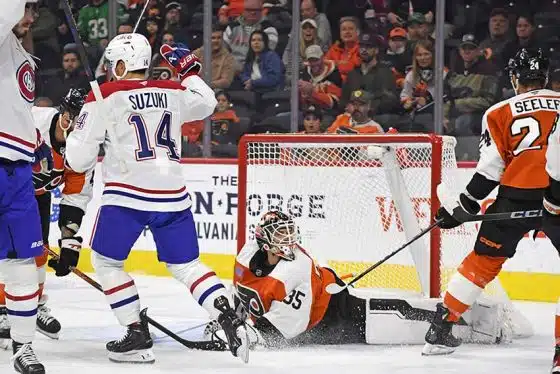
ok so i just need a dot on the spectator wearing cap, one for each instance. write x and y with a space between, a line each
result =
320 82
173 18
359 121
312 117
222 61
72 76
237 34
418 29
398 56
471 59
524 38
308 36
346 51
471 90
373 77
263 70
499 35
309 10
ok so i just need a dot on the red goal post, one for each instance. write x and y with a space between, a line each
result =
261 155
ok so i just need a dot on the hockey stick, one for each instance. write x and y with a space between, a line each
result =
212 345
140 16
334 288
464 216
92 81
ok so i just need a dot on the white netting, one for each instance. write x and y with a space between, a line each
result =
357 202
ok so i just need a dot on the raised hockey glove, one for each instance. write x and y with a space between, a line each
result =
182 59
47 181
43 156
453 206
69 255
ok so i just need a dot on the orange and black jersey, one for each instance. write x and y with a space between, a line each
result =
513 146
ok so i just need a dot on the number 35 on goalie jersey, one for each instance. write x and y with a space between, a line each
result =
514 139
292 296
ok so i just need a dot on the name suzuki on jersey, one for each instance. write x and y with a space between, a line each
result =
146 100
532 105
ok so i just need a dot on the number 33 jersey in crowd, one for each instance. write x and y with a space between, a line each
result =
146 117
290 295
514 142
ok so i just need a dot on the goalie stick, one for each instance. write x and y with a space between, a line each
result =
213 345
334 288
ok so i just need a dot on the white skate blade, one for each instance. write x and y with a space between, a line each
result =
142 356
48 335
243 350
5 344
436 350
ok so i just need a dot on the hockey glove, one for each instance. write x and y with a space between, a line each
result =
453 205
182 59
43 156
69 255
47 181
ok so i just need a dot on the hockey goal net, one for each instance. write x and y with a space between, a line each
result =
356 199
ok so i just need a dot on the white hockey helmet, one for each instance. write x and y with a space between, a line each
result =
133 49
278 233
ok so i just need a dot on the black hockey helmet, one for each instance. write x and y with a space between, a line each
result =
528 65
278 233
73 102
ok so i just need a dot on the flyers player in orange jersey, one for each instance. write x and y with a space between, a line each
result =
282 289
54 124
513 145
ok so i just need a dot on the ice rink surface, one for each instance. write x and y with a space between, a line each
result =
88 324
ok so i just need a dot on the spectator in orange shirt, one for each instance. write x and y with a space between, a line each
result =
359 122
346 52
222 120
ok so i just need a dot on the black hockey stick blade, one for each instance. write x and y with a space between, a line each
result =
334 288
464 216
212 345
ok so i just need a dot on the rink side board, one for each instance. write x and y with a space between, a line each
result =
533 274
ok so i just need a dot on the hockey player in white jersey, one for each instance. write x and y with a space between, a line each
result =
146 116
20 227
551 216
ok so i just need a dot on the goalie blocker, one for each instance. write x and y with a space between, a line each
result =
282 290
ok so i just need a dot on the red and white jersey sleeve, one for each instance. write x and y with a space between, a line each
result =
553 152
17 79
146 117
292 297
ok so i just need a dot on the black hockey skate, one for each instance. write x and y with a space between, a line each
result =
439 338
556 361
234 329
46 323
134 347
25 361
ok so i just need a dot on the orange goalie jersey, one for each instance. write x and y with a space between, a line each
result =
514 142
292 296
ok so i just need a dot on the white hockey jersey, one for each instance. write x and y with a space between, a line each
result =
77 188
292 296
17 79
147 117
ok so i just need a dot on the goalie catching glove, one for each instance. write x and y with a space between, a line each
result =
452 206
69 255
182 59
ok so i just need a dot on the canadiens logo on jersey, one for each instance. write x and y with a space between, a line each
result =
26 81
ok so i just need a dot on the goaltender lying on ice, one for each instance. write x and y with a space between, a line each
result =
281 290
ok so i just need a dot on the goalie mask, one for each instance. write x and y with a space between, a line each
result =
278 234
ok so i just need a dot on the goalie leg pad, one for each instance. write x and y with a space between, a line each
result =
487 323
202 282
21 290
119 288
